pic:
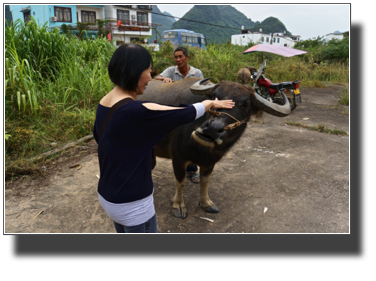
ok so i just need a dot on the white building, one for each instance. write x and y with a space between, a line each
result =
278 39
135 23
331 36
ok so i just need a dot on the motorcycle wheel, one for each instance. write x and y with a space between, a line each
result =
292 103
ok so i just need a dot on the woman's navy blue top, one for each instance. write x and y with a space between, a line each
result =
125 148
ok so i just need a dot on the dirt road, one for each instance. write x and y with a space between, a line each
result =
277 179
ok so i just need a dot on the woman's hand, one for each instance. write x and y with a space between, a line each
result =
218 104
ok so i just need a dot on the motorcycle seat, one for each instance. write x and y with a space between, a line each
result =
278 86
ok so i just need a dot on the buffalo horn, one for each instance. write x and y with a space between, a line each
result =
199 89
270 107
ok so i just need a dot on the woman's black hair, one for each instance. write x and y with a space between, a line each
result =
127 64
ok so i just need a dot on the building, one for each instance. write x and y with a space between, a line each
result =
331 36
8 14
131 23
279 39
57 15
128 22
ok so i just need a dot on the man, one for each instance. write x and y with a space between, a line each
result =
181 70
175 73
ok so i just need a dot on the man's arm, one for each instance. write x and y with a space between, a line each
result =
164 76
200 73
164 79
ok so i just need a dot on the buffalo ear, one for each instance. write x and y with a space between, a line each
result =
202 88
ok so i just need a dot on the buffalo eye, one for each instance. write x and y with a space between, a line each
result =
245 104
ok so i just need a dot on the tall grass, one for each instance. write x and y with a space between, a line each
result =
222 62
52 87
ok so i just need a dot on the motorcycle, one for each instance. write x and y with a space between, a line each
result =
273 91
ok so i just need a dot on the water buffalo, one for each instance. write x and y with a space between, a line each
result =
244 75
205 140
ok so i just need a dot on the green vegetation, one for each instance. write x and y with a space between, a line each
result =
54 81
344 96
334 50
319 128
53 84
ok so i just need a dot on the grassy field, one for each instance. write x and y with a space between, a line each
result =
53 83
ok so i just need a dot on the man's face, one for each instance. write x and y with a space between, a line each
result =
180 59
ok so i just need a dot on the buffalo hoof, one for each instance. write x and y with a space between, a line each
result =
179 214
210 209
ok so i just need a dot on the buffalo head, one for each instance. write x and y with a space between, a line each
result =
225 126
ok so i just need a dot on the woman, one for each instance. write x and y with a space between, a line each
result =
125 187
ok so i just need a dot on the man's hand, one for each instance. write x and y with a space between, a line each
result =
164 79
167 80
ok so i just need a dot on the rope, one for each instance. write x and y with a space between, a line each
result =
230 126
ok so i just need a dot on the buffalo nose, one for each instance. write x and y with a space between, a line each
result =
213 128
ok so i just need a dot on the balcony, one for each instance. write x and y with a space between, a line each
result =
126 25
145 7
141 7
134 22
134 25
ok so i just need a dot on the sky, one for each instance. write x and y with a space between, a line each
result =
306 20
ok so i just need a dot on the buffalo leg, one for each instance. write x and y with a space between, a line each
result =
178 207
205 201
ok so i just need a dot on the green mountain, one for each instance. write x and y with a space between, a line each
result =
170 18
271 25
222 15
165 22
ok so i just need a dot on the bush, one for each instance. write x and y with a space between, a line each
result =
332 51
336 50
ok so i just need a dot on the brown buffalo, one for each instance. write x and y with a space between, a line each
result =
244 75
205 140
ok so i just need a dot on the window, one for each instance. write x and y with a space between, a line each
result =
142 18
194 40
27 16
63 14
274 39
184 36
88 16
277 40
267 39
170 35
262 38
122 15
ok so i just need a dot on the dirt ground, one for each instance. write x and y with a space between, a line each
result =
277 179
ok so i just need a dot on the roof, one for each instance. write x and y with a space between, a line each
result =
334 34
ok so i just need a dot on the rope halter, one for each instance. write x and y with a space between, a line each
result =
230 126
